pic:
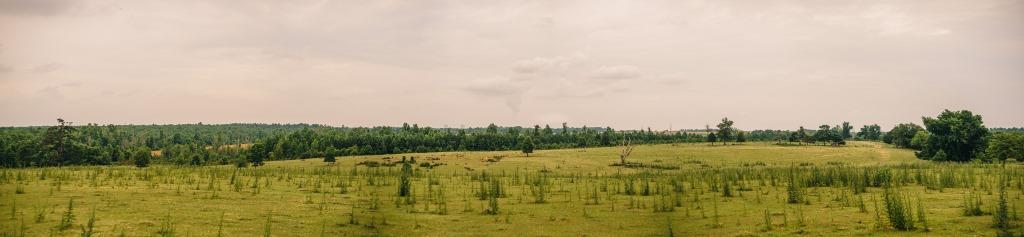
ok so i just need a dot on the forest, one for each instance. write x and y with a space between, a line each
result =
200 144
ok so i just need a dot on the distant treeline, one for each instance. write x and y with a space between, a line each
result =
65 144
199 144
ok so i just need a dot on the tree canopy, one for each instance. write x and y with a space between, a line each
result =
961 135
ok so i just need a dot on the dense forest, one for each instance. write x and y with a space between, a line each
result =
199 144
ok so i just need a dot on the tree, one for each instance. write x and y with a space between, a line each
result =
870 132
740 137
1005 145
59 145
939 156
725 130
627 149
919 140
824 134
901 134
802 135
257 153
846 130
528 146
142 157
712 138
329 156
492 129
960 134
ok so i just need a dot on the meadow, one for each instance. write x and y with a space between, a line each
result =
691 189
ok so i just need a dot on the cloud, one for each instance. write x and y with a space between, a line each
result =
501 87
619 72
34 7
541 65
56 91
47 68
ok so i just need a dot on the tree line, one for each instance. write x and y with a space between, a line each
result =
952 136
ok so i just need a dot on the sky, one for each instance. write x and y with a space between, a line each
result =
625 64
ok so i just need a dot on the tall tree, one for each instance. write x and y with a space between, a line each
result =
960 134
846 130
725 130
802 135
59 144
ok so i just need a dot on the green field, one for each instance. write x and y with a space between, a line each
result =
686 190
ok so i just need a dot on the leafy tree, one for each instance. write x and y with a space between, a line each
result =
846 130
1005 145
939 156
142 157
257 153
802 135
870 132
59 145
329 158
712 138
919 140
902 134
528 146
741 137
960 134
824 134
725 130
492 129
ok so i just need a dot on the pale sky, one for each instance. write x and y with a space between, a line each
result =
625 64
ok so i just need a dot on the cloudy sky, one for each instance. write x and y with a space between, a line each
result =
625 64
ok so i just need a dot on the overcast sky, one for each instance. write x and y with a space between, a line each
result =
625 64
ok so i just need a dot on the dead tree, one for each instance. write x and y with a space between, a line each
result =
627 148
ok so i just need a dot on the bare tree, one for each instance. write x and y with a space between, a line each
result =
627 148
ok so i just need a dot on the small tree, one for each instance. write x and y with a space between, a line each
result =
257 153
142 157
1001 217
403 187
940 156
329 155
627 149
528 146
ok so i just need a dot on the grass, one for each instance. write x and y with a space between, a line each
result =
568 192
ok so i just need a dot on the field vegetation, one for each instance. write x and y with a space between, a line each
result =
762 188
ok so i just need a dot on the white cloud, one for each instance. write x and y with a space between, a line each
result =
620 72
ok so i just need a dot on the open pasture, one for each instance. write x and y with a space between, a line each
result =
753 189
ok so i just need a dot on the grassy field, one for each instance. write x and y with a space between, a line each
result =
685 190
